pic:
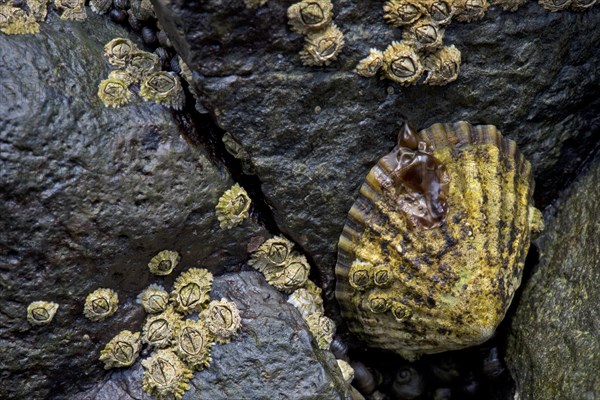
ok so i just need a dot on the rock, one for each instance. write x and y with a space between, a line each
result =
554 342
89 195
312 134
273 356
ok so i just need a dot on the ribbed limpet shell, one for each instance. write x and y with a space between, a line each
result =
322 328
470 10
442 66
142 64
154 299
73 10
41 312
222 318
424 36
293 276
371 64
164 88
310 15
114 92
322 47
100 304
15 21
402 64
158 328
402 12
165 375
191 291
271 256
233 207
118 51
164 262
122 350
449 211
192 342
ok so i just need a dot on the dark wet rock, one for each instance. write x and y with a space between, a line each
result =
89 195
554 340
273 356
312 134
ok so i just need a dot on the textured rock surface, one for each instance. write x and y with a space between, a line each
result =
554 344
89 195
313 133
273 356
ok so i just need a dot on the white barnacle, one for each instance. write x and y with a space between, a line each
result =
41 312
158 328
100 304
471 10
222 318
322 47
122 350
443 66
307 300
191 291
402 64
118 51
233 207
164 262
154 299
402 12
192 342
293 276
142 64
424 36
271 256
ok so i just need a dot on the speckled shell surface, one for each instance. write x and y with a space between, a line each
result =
413 284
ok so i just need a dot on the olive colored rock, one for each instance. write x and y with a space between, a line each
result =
554 340
89 195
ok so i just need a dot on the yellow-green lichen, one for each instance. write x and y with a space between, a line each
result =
122 350
165 375
191 291
164 262
222 319
41 312
233 207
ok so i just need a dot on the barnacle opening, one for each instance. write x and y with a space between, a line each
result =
191 291
192 342
222 319
164 88
402 64
165 375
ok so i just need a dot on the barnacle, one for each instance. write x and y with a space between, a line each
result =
38 8
440 11
165 375
164 262
293 276
271 256
15 21
100 6
222 319
254 3
118 51
442 66
100 304
470 10
164 88
72 9
142 64
582 5
154 299
307 300
371 64
122 350
122 75
114 92
322 329
192 342
402 64
158 328
402 12
310 15
233 207
459 197
555 5
191 291
322 47
41 312
347 371
425 35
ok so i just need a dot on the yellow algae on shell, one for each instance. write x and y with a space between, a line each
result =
191 291
371 64
154 299
100 304
192 342
118 51
400 13
165 375
443 66
322 47
114 92
310 15
158 328
222 318
402 64
122 350
233 207
164 262
41 312
164 88
322 328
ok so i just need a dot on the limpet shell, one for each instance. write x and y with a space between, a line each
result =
191 290
442 66
118 51
165 375
402 64
322 328
73 10
164 262
449 211
100 304
158 328
164 88
233 207
400 13
322 47
310 15
371 64
424 36
470 10
41 312
271 256
114 92
192 342
154 299
122 350
222 318
293 276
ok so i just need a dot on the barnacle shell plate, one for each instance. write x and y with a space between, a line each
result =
310 15
41 312
122 350
164 262
455 265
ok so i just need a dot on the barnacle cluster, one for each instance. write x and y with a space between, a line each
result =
41 312
100 304
324 40
137 67
233 207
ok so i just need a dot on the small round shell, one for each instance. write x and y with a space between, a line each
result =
271 256
154 299
100 304
310 15
164 88
191 291
41 312
402 12
442 66
192 342
306 301
254 3
322 47
100 6
72 9
370 65
118 51
470 10
122 350
114 92
293 276
158 328
582 5
347 371
15 21
38 8
425 35
233 207
402 64
142 64
222 319
555 5
440 11
164 262
322 329
165 375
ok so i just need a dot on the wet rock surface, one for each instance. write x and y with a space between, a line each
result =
312 134
271 357
554 342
